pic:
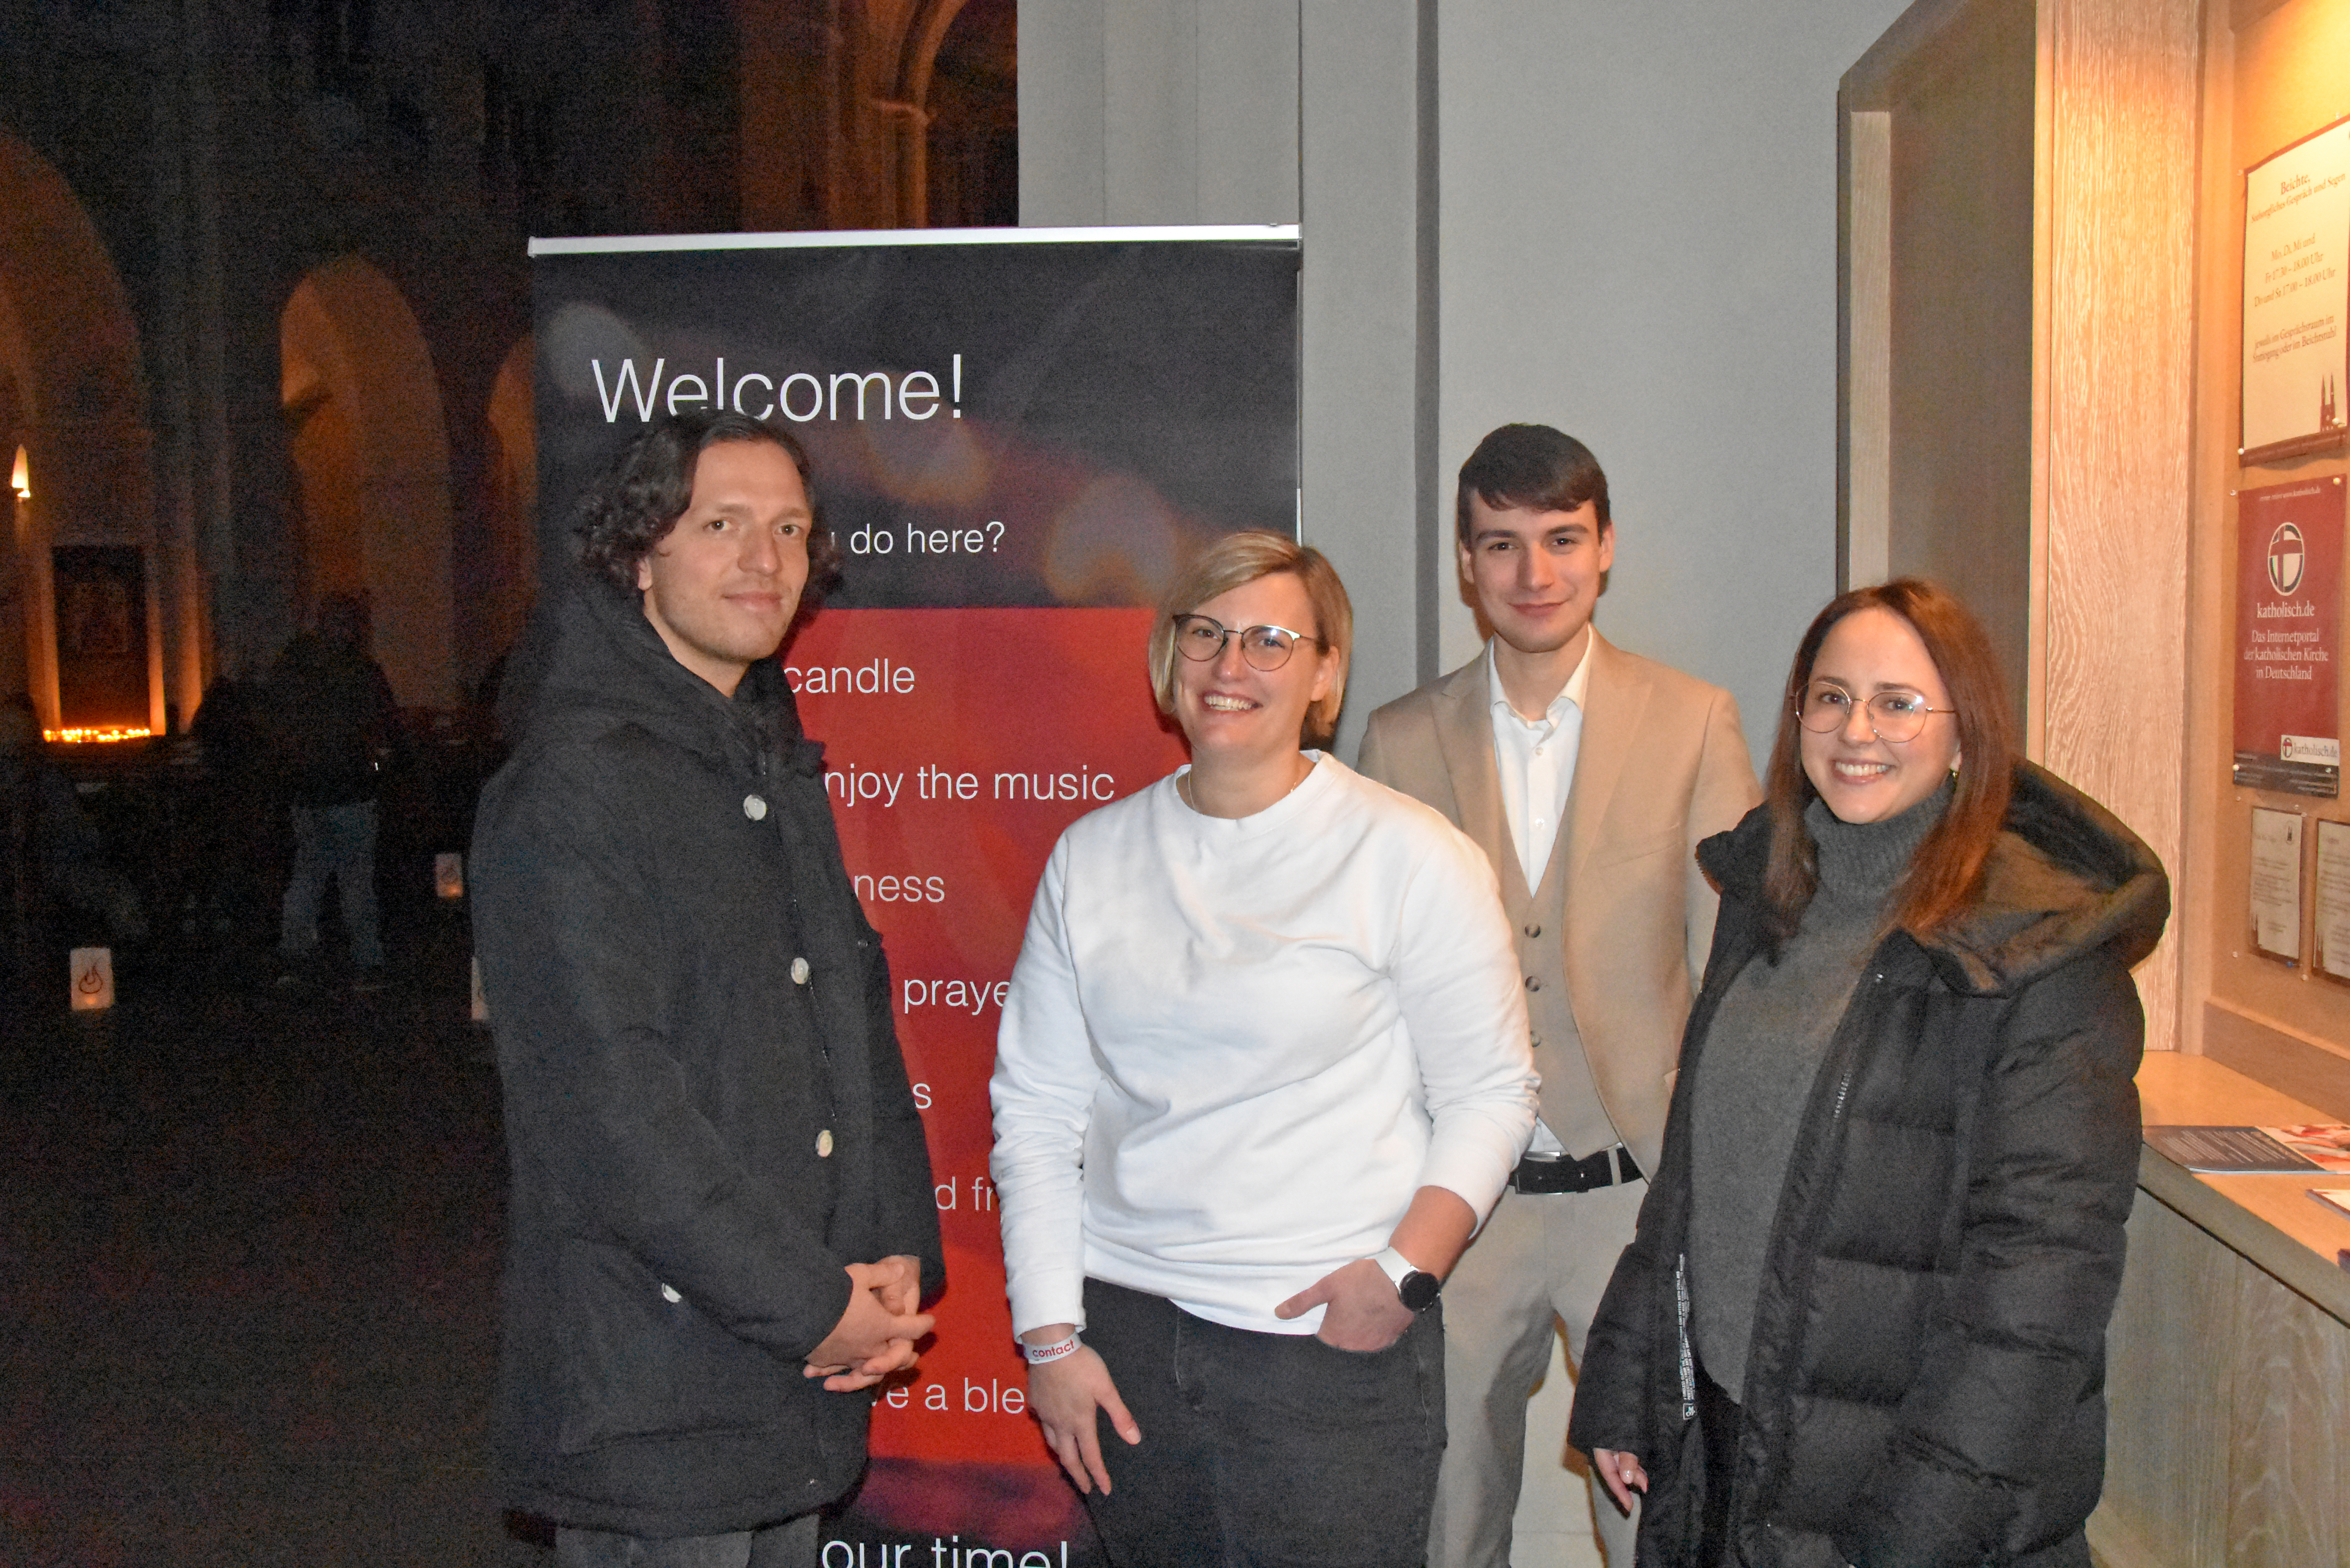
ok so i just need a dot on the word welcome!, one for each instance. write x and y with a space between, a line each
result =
799 397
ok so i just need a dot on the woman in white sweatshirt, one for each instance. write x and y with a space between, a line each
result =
1263 1071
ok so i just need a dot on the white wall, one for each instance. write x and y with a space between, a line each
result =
1158 112
1639 246
1616 219
1634 239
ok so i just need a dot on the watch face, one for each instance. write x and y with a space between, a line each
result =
1418 1291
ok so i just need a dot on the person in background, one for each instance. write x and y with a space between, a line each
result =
1863 1321
1587 776
53 860
1262 1071
722 1225
335 726
229 885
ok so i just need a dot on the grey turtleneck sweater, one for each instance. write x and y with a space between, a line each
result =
1762 1053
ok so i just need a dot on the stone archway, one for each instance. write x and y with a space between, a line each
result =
842 112
962 66
370 450
76 399
512 512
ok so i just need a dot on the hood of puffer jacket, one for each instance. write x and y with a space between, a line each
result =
590 659
2065 877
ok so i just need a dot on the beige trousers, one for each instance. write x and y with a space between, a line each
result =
1539 1264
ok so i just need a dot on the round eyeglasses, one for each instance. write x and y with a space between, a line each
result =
1893 716
1200 637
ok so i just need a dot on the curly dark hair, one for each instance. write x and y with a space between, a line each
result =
636 501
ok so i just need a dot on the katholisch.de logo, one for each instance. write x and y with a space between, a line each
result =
2287 555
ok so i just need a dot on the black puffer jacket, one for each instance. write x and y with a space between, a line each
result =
1926 1381
648 868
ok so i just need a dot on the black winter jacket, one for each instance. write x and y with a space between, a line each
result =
333 720
1926 1380
649 868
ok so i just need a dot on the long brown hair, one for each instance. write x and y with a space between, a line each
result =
1945 873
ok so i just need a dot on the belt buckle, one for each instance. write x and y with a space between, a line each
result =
1549 1175
1610 1166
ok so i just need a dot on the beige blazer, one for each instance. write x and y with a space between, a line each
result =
1662 764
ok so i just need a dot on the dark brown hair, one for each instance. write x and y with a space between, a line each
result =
1534 467
1945 874
636 500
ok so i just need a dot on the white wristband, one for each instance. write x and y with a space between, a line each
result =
1395 1266
1038 1354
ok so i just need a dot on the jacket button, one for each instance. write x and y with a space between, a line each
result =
799 971
1533 984
754 807
1533 931
824 1144
668 1295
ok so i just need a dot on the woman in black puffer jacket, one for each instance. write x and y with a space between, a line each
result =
1863 1320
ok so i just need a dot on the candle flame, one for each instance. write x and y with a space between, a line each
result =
83 734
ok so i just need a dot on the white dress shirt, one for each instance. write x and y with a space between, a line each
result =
1234 1048
1535 760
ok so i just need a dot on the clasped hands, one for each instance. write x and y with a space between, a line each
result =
875 1335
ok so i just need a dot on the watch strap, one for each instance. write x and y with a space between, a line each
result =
1395 1266
1414 1286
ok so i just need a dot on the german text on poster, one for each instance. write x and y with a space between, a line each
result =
2287 634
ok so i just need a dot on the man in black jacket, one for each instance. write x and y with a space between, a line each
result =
721 1228
335 722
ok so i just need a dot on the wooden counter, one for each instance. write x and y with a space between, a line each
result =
2228 1367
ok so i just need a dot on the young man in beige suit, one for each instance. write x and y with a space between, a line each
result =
1588 775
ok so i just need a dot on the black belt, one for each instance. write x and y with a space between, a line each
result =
1606 1169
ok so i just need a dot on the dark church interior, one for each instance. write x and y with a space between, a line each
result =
266 344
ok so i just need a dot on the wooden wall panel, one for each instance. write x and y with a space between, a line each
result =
2229 1397
2167 1433
1959 485
2292 1408
2119 215
1868 364
2272 75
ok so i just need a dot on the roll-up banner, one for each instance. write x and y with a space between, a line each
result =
1016 435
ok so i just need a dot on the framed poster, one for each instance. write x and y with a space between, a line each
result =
2276 883
101 610
2296 297
2332 900
2288 628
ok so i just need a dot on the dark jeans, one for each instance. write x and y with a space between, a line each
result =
336 841
1718 1423
791 1544
1264 1450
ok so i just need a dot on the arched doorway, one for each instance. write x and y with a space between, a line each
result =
883 115
512 481
970 86
72 395
371 452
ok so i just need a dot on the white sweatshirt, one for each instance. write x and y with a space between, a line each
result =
1234 1049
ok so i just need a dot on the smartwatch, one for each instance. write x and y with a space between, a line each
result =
1415 1289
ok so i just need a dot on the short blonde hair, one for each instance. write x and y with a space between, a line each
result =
1240 559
